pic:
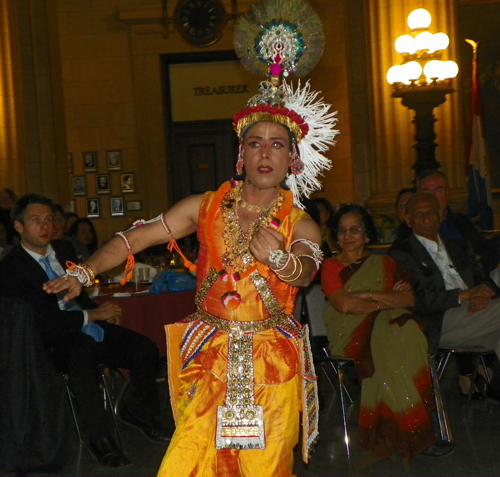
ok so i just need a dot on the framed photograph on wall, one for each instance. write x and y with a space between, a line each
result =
116 206
134 205
127 183
90 161
93 209
102 183
114 160
78 185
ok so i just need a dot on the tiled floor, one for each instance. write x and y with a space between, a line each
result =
477 450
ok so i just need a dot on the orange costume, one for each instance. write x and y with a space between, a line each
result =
240 368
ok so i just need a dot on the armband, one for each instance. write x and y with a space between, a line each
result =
317 254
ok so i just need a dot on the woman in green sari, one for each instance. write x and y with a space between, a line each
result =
367 319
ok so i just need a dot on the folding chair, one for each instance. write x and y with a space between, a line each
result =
443 357
107 400
313 304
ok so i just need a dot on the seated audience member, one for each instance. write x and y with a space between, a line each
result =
458 302
7 199
84 231
59 227
326 213
58 222
368 319
70 218
80 334
402 231
311 208
5 248
458 226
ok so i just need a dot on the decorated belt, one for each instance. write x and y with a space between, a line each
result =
240 422
282 320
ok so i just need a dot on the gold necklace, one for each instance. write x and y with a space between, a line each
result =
237 255
250 207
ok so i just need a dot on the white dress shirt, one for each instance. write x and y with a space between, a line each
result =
57 267
439 254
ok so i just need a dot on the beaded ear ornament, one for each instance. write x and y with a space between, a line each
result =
277 38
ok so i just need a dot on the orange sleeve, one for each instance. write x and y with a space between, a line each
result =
330 276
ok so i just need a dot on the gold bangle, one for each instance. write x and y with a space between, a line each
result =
91 280
287 279
294 260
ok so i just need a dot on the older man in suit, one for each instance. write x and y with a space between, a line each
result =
458 226
459 303
79 334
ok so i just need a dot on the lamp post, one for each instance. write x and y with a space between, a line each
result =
422 81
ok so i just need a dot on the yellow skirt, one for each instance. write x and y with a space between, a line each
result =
200 388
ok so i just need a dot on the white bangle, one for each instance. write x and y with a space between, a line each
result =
83 273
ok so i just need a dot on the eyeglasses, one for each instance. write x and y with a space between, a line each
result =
353 230
429 214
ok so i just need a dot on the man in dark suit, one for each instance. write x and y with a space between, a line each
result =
458 302
63 327
458 226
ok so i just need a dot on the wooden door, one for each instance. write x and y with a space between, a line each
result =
201 157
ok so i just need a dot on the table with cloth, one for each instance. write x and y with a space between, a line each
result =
148 314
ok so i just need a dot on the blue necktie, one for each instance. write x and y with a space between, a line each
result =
48 269
92 329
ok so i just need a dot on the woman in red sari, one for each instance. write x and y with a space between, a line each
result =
367 319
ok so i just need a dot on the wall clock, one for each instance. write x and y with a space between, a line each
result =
200 22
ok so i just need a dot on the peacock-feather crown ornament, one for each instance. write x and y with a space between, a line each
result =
275 39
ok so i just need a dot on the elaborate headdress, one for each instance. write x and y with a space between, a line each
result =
278 38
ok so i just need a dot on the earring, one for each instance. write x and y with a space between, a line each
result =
297 166
239 162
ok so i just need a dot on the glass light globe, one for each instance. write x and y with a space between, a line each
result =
433 69
405 44
412 70
440 42
450 69
424 40
419 18
394 74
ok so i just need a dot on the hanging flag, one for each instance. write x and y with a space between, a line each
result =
479 208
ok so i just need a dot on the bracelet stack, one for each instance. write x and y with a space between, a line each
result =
84 274
296 272
280 259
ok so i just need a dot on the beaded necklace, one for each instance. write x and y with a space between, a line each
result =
236 261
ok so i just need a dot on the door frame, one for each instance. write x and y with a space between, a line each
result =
170 125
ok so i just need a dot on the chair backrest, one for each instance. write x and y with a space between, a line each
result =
316 304
495 276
